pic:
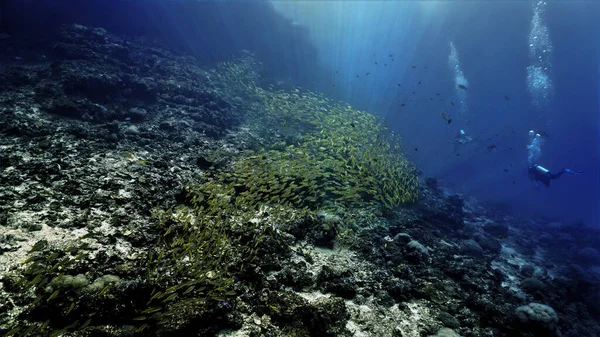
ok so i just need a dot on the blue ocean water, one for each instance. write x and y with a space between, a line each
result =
489 47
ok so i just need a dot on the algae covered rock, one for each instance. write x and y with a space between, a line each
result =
297 316
537 316
445 332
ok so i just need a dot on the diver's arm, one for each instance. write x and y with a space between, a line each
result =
576 172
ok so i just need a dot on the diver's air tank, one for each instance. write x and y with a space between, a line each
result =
541 169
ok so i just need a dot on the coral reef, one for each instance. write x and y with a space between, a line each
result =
144 196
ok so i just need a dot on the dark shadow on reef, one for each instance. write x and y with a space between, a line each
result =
212 31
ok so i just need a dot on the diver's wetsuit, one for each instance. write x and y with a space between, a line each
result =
538 173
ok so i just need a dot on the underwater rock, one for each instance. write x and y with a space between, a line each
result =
137 114
96 84
68 51
399 289
8 242
593 303
402 238
455 203
339 282
131 130
328 318
112 138
321 230
588 256
537 316
321 317
80 34
295 275
565 238
19 76
167 125
450 214
448 320
471 247
445 332
81 284
496 229
488 244
77 282
78 108
45 144
527 270
577 276
532 285
545 238
433 184
417 247
469 229
204 163
555 226
65 107
144 88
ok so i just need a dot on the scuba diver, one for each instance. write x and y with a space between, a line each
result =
460 140
537 172
543 175
462 137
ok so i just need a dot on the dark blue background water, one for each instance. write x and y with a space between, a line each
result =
324 46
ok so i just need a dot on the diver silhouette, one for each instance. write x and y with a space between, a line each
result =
543 175
537 172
